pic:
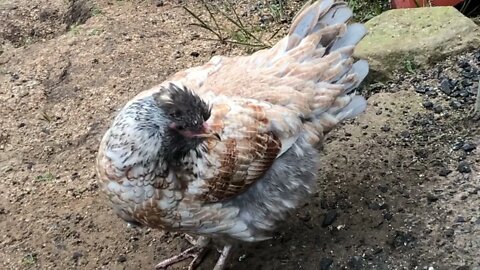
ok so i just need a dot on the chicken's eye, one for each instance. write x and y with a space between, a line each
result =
180 127
176 114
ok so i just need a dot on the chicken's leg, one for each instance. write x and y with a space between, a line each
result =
223 258
196 252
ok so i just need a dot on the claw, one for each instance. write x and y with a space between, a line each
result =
197 252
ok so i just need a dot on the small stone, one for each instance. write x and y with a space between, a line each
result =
383 189
329 218
388 216
449 232
76 255
159 3
194 54
325 263
457 146
421 90
455 104
464 167
374 206
401 239
437 108
20 125
468 147
446 86
460 219
177 54
444 172
355 263
122 258
431 93
385 128
431 198
427 104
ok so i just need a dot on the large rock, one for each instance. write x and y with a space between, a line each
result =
401 39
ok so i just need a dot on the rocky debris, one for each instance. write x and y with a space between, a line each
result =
464 167
403 39
329 218
326 263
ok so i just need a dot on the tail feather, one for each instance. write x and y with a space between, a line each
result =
355 32
316 57
331 64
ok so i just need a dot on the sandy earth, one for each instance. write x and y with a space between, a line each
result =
399 187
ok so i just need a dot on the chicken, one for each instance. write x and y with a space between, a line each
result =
226 150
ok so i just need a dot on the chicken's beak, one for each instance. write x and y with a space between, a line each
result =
208 134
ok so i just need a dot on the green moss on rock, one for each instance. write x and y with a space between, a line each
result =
419 37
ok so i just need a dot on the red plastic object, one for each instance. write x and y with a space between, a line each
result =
423 3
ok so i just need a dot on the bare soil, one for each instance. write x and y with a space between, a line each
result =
399 187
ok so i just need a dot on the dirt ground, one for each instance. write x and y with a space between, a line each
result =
399 187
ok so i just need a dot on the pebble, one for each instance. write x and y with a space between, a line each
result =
464 167
444 172
355 263
449 232
194 54
388 216
457 146
446 86
455 104
421 90
460 219
468 147
402 239
76 255
122 258
427 104
437 108
385 128
383 189
431 198
329 218
325 263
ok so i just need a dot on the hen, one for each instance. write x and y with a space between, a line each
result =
226 150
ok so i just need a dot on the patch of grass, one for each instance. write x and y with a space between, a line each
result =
277 10
410 66
29 259
95 32
365 10
45 177
95 11
74 29
46 117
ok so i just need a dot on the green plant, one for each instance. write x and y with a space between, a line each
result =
95 32
73 29
277 10
365 10
45 177
410 66
29 259
95 10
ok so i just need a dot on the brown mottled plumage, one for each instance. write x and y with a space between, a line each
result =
226 150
